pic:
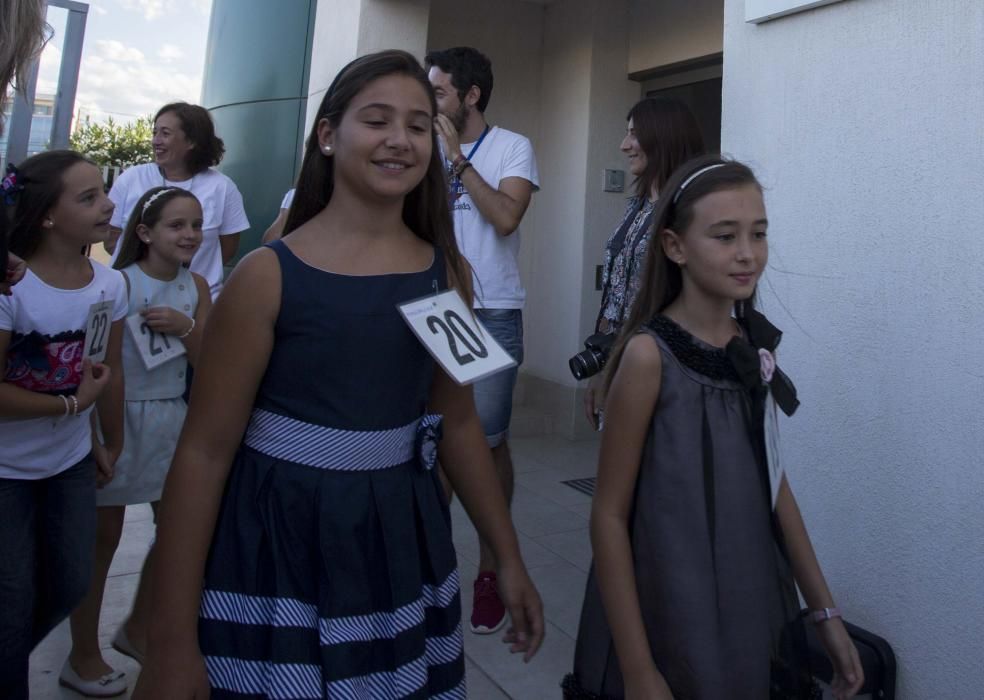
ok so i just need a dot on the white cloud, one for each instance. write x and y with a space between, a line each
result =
100 10
48 70
170 52
152 9
121 76
113 50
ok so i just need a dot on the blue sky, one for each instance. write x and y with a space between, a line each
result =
137 56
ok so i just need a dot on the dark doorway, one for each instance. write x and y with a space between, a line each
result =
704 99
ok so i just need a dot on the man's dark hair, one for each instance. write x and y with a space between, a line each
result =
467 67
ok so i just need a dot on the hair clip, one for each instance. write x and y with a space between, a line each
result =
10 185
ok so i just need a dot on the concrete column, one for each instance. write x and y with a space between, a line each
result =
346 29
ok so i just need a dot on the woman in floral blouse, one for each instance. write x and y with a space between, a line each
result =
661 135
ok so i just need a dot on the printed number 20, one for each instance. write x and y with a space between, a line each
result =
454 327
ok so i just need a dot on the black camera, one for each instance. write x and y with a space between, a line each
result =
592 359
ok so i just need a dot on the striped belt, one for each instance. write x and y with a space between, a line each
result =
295 441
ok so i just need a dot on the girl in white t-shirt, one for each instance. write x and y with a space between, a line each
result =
186 148
171 302
66 309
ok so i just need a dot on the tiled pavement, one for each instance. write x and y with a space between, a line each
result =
551 519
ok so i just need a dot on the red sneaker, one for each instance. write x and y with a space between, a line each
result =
488 612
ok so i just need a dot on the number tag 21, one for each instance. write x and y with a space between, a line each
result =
155 348
454 337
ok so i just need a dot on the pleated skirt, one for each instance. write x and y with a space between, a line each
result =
332 583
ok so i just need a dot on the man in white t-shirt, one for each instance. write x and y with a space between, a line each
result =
493 176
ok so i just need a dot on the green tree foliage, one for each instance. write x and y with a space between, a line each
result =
114 144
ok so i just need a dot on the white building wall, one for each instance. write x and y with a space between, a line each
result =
863 120
346 29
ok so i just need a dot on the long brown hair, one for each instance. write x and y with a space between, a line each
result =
42 177
23 33
425 208
132 248
669 135
662 280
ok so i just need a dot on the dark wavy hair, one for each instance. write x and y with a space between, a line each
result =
662 280
467 67
132 248
41 176
669 135
197 125
425 208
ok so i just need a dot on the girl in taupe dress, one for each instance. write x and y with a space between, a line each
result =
697 539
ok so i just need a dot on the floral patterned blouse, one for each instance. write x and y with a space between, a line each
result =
622 270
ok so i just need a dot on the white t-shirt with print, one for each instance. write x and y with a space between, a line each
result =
494 258
222 207
47 332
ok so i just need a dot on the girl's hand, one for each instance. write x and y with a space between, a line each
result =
164 319
95 378
16 268
105 462
647 684
522 601
848 674
177 674
594 400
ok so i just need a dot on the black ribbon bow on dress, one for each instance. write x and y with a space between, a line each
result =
747 361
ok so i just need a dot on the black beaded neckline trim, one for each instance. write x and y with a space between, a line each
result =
701 358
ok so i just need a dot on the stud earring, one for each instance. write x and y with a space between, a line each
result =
327 150
49 223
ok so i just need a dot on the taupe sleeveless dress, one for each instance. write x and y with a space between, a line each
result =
714 591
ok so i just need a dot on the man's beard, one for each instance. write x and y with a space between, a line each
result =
460 117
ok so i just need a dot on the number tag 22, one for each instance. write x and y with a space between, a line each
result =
155 348
97 325
454 337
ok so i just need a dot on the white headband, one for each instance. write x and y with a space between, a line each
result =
693 177
155 196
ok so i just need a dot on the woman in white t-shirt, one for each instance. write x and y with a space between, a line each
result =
66 309
276 230
185 149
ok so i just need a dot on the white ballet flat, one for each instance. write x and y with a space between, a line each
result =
108 686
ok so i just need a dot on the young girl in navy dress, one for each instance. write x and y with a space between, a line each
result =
49 459
691 595
162 235
303 490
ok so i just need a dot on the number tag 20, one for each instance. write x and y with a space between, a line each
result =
155 348
454 337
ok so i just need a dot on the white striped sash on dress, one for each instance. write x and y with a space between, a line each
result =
312 445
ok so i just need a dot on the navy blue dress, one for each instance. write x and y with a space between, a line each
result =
331 572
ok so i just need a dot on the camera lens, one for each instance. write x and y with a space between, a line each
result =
586 364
